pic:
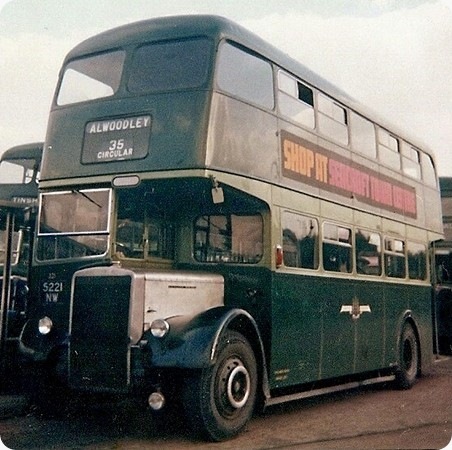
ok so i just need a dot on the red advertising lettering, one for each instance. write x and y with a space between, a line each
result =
309 163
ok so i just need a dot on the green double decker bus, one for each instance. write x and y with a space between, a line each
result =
221 227
19 174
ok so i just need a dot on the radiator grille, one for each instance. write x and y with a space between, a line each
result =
99 341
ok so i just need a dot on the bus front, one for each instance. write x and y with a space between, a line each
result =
135 235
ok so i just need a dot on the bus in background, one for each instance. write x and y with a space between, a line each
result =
443 261
220 226
19 172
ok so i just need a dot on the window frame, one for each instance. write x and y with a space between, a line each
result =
285 214
394 253
389 155
368 234
289 97
347 262
229 85
224 255
332 119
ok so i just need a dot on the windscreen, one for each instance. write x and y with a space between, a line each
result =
74 212
73 224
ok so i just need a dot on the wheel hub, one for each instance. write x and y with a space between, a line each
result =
234 385
238 388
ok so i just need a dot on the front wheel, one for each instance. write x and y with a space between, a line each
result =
407 371
219 400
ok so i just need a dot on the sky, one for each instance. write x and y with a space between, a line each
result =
393 56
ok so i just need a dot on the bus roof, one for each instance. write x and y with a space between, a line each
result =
25 151
20 194
174 27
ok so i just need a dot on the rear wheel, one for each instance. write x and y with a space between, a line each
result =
407 371
219 400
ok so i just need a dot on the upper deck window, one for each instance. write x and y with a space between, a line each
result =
296 100
362 135
428 170
246 76
91 78
171 65
411 161
17 171
332 119
388 149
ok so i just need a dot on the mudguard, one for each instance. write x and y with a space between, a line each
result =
424 336
34 346
192 340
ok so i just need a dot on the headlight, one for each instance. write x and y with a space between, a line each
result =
22 291
45 325
159 328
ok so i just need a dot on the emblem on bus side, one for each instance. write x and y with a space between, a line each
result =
355 309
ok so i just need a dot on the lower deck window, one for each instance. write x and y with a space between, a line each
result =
417 261
368 252
229 238
300 241
337 248
395 258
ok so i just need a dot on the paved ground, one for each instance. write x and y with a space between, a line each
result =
11 405
374 417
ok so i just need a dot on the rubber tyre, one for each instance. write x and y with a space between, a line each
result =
219 400
408 368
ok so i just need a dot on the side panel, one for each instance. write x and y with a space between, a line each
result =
371 330
242 139
296 331
339 333
325 327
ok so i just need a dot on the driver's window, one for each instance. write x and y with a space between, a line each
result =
143 230
129 238
159 238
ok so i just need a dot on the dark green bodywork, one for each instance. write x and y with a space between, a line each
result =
293 320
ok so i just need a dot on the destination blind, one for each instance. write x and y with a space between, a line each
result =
116 139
